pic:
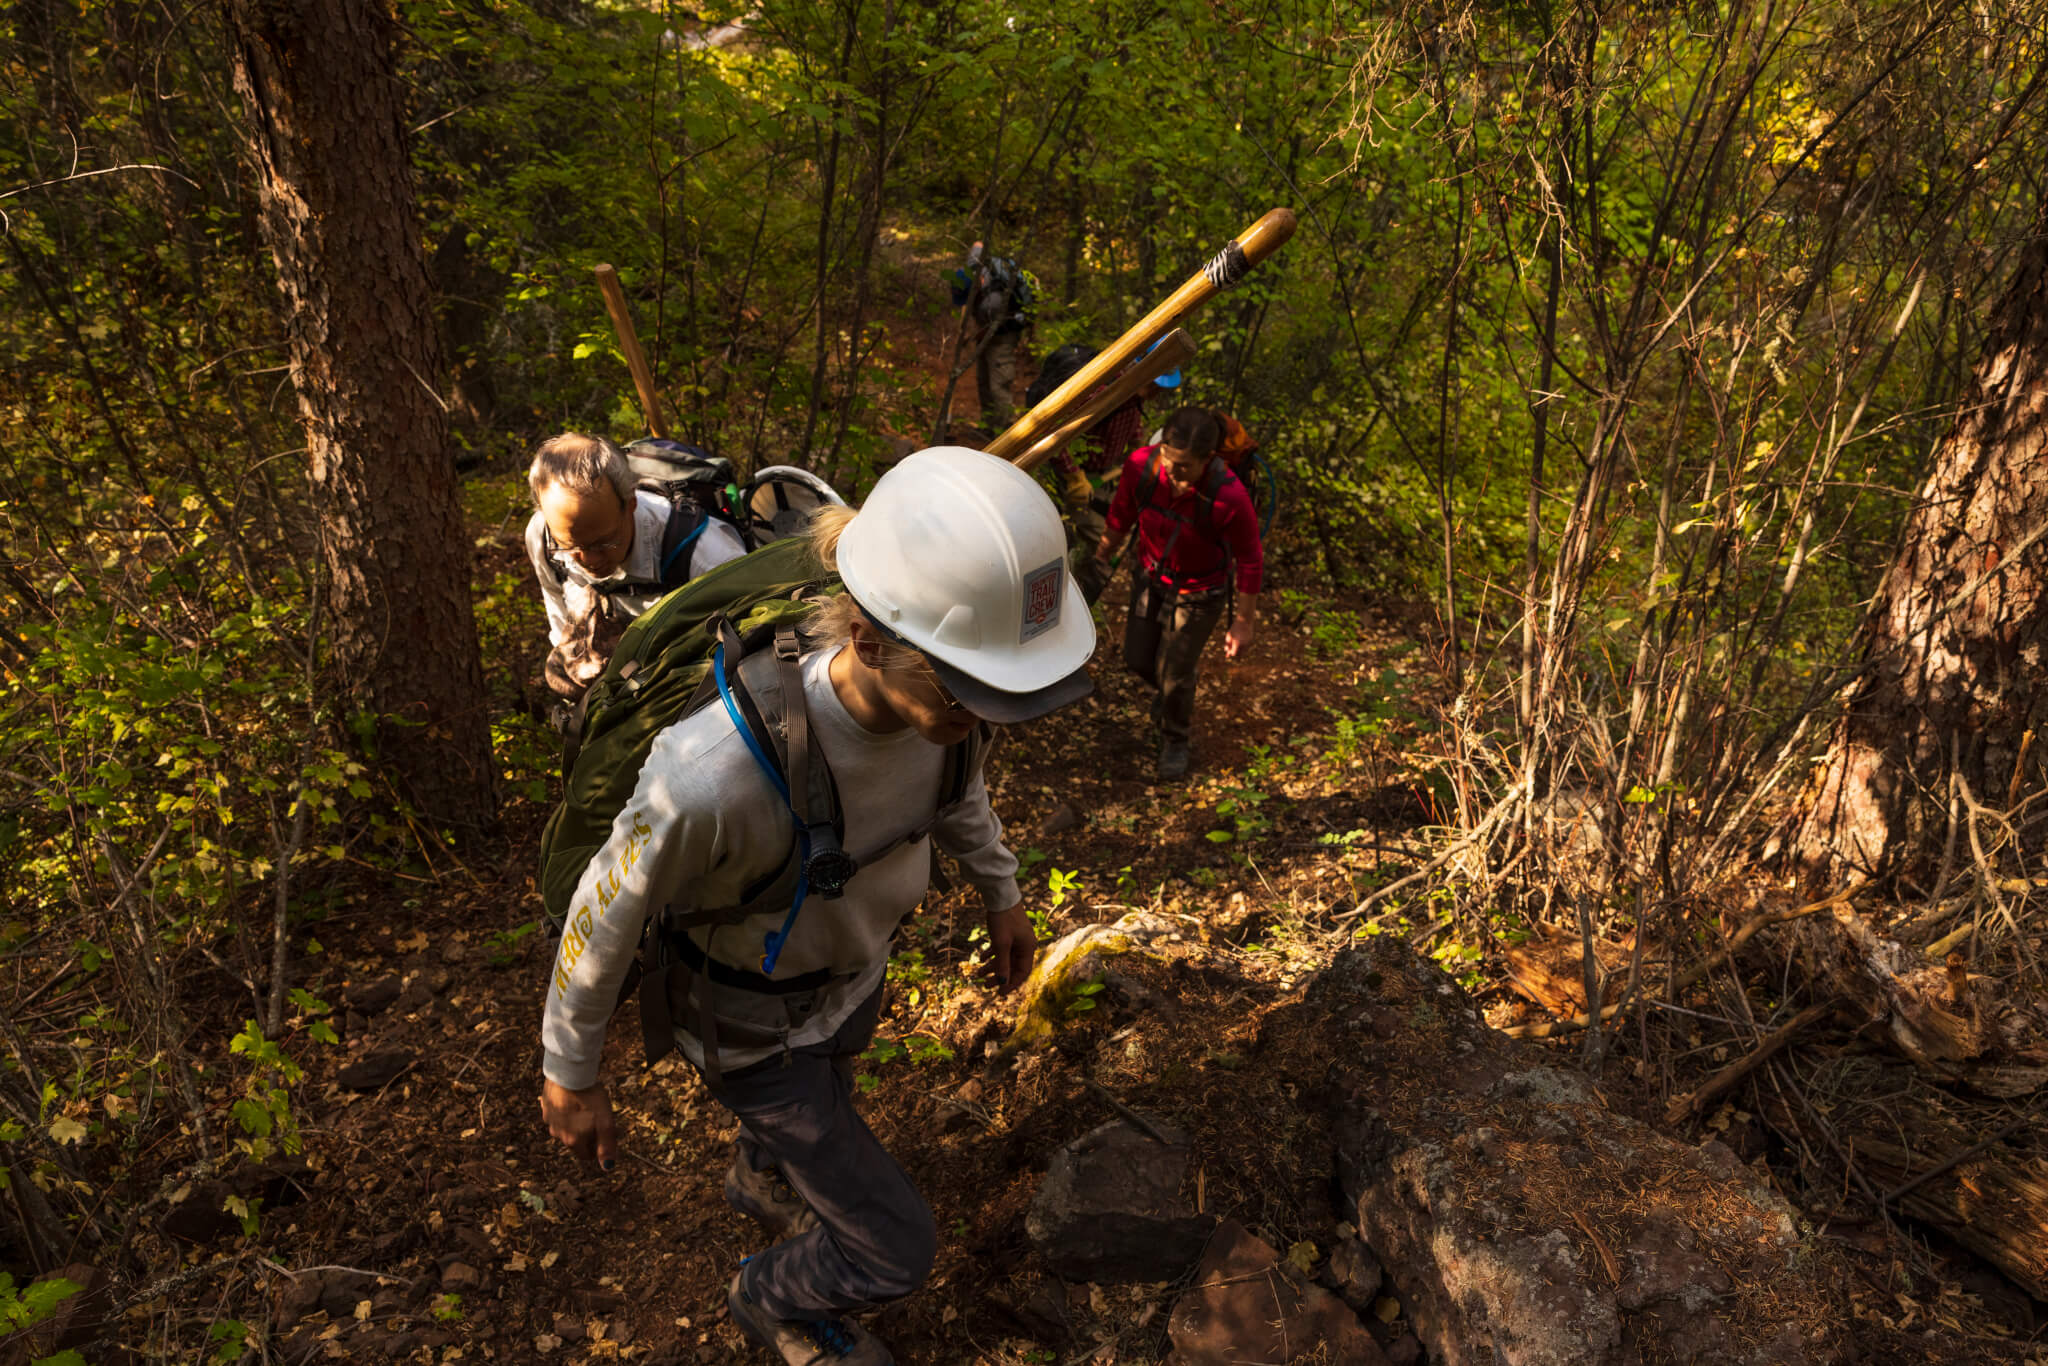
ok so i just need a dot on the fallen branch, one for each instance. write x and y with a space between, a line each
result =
1950 1163
1728 1077
1552 1028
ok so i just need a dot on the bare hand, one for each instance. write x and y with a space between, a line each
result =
1012 947
582 1121
1239 639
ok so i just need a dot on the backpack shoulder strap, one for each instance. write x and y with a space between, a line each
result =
548 551
686 522
1212 491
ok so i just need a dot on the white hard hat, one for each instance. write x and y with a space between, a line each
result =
960 555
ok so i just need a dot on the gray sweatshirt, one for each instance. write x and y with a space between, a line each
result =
704 823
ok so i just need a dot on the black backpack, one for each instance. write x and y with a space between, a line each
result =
1062 365
1004 294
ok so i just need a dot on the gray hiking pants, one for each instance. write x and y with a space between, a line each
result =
875 1239
995 375
1163 640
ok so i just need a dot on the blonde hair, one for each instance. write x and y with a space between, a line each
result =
581 464
831 625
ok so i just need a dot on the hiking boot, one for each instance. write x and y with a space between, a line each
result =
1173 759
768 1199
804 1342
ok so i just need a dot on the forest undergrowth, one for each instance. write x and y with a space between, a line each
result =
1644 388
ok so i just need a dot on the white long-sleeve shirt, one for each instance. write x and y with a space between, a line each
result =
704 824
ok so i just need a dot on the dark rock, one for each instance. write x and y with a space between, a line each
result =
1111 1208
1249 1307
372 997
277 1182
392 1244
962 1111
374 1072
336 1293
416 995
460 1278
1066 816
1405 1350
200 1216
1354 1273
569 1328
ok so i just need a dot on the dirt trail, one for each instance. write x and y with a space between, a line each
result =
488 1240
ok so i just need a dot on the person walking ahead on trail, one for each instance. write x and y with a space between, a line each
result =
1198 539
998 295
958 609
595 543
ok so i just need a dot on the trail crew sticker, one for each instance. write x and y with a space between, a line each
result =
1041 601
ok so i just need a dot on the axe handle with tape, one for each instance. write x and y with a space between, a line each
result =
1225 269
629 342
1175 349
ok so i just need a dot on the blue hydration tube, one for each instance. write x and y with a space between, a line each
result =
771 944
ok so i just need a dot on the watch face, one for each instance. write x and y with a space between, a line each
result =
829 870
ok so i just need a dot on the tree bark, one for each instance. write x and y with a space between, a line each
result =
327 142
1955 648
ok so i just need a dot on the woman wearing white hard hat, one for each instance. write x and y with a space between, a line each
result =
958 609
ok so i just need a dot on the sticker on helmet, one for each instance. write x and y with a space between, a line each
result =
1041 601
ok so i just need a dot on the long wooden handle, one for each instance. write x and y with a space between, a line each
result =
1226 268
1175 349
629 342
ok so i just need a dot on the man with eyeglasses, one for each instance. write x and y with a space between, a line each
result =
595 541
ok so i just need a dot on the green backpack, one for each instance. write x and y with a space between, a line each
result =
662 672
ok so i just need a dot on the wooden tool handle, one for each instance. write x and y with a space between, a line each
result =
629 342
1225 269
1175 349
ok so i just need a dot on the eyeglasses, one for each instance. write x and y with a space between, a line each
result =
939 685
611 545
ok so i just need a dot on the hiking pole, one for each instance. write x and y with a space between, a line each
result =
1175 349
629 342
1225 269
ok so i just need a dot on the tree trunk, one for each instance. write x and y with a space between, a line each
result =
1955 649
327 142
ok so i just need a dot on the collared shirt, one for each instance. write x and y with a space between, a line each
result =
584 625
1180 543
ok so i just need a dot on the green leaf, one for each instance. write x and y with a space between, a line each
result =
1302 1257
1220 836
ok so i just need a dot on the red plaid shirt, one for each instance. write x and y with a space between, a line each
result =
1115 437
1190 561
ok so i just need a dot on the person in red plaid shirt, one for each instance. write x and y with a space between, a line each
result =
1198 543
